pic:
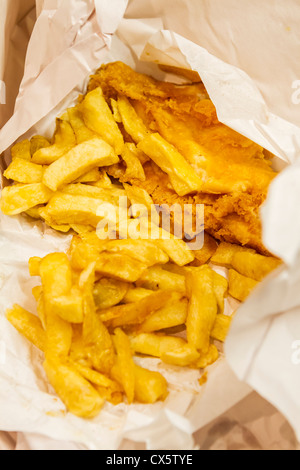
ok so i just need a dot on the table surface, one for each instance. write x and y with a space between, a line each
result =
252 424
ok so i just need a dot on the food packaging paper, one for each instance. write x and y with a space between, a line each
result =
69 41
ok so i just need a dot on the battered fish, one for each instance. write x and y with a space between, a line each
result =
235 172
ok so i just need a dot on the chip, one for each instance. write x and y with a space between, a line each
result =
183 177
98 118
81 159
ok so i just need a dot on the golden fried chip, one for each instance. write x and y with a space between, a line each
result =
139 197
34 266
255 266
183 177
28 325
109 292
98 117
19 198
79 396
21 150
157 278
207 359
145 251
124 369
69 306
135 313
64 140
110 195
221 327
183 357
221 290
38 142
23 171
96 378
155 344
56 275
120 267
150 386
66 209
225 253
134 168
174 313
178 251
240 287
90 177
97 340
133 124
81 132
78 161
136 294
202 309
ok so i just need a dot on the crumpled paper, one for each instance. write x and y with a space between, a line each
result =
214 42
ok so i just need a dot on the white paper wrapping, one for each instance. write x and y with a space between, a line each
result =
232 46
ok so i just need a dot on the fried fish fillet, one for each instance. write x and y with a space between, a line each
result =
235 172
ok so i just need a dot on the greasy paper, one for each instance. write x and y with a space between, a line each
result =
241 82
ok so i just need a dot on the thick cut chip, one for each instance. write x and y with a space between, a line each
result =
34 266
147 252
183 177
99 118
109 292
135 313
64 209
255 266
96 378
139 199
97 340
136 294
134 168
58 335
157 278
221 290
21 150
79 396
69 306
23 171
240 287
81 132
202 309
120 267
150 386
207 359
79 160
178 251
115 111
110 196
174 313
124 369
104 181
155 344
182 357
225 253
28 325
133 124
221 327
20 198
56 275
64 140
38 142
90 177
34 212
